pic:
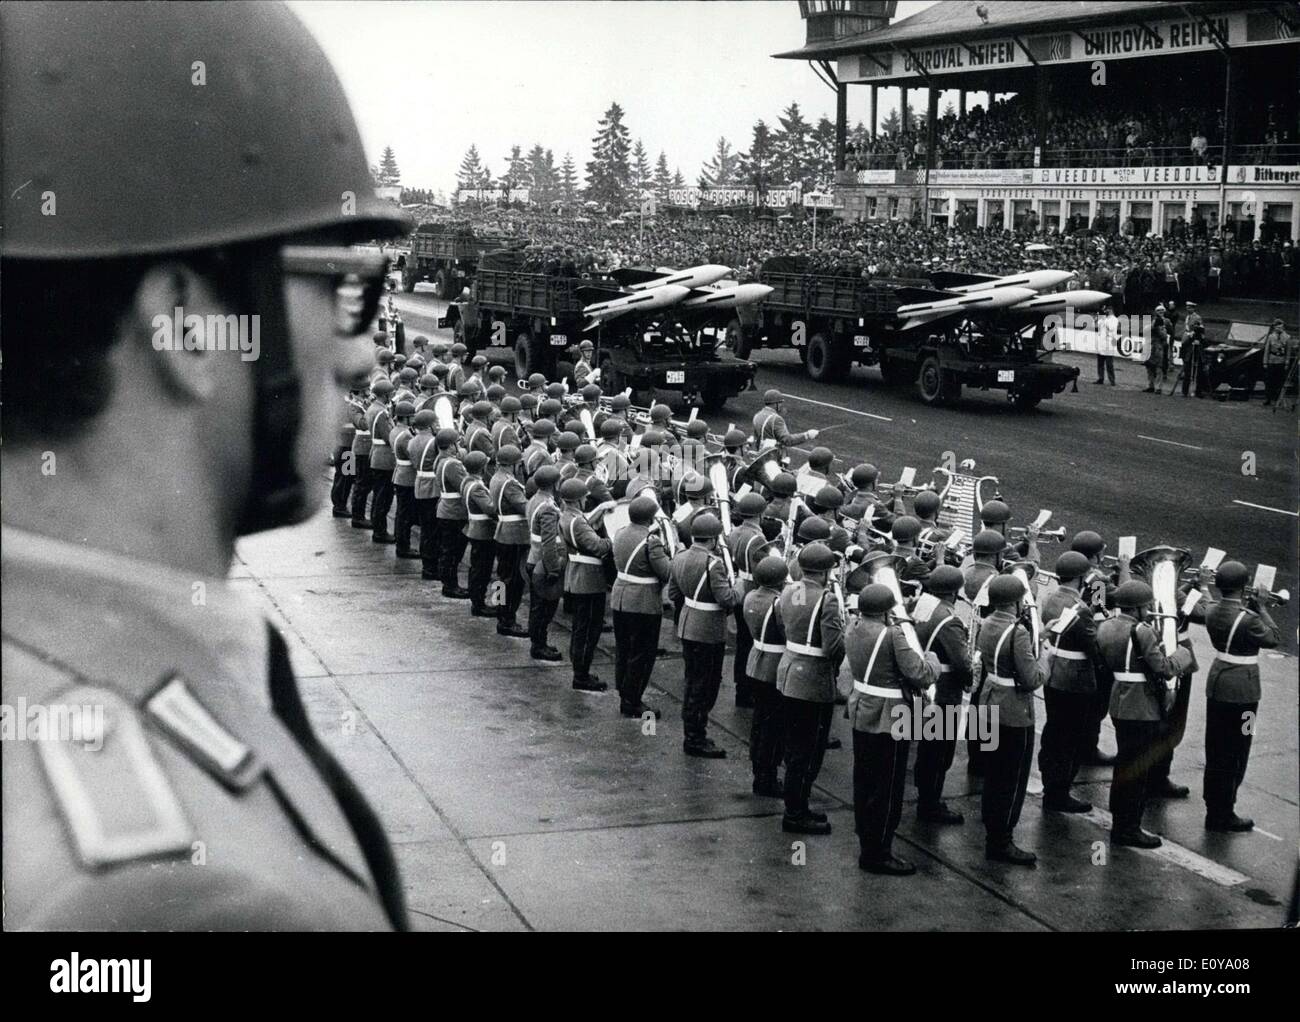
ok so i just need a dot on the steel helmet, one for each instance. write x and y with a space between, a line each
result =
1133 594
927 504
546 476
705 525
611 429
267 148
905 529
573 490
771 572
1070 565
1005 590
814 529
424 419
734 438
642 510
697 429
511 405
863 475
995 512
772 397
1230 576
875 598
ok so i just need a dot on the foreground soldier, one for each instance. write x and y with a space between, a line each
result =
703 595
643 567
509 504
354 416
770 426
888 676
944 635
104 840
766 729
404 479
546 562
743 543
382 460
584 584
479 531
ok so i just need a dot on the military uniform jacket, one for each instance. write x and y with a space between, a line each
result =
1011 668
769 425
764 624
1070 632
480 519
103 834
455 377
944 635
404 473
451 473
360 416
504 431
543 515
424 453
354 415
887 672
478 437
615 468
585 549
744 541
1237 634
642 567
382 458
535 457
1143 674
813 622
510 505
698 584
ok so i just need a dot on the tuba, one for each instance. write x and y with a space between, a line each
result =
722 494
1160 567
588 423
883 568
443 412
763 469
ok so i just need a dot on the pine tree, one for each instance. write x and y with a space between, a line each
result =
471 169
949 110
608 171
388 172
568 179
891 124
516 175
485 179
822 153
721 170
540 175
662 179
793 146
756 166
678 181
641 179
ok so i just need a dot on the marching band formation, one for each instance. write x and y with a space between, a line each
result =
584 499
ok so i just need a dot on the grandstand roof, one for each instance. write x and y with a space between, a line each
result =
957 19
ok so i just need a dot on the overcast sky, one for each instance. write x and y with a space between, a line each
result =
433 76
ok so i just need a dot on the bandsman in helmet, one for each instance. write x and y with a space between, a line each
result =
406 386
769 425
1098 591
925 508
766 729
354 418
645 467
661 418
643 568
430 388
510 503
404 479
691 496
452 516
941 632
537 385
422 449
546 561
865 506
703 595
478 433
614 466
383 366
745 545
1012 674
455 358
889 676
105 840
905 531
813 621
584 583
506 429
1238 628
619 406
566 449
538 451
478 369
379 420
1070 636
816 473
480 528
733 448
1143 693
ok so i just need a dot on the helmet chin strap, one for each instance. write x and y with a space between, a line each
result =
277 494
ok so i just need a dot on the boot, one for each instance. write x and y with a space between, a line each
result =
769 787
1010 854
639 710
479 610
408 555
542 653
509 628
891 865
342 512
455 592
1134 837
1066 803
804 824
362 523
1230 824
383 537
1168 789
704 749
589 684
939 813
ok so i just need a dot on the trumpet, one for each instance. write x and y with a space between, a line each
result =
1044 536
1280 598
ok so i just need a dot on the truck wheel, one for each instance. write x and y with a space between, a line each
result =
738 339
823 361
525 358
440 284
714 397
1026 400
930 383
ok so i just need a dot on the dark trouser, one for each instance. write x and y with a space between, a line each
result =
481 552
361 487
879 776
1227 751
451 548
1172 729
744 643
1274 375
341 487
807 725
383 485
1005 779
510 570
636 645
588 614
1128 787
702 662
1100 710
1066 737
541 612
1190 356
405 515
934 757
1105 368
766 730
426 512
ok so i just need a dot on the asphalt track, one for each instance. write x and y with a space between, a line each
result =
1171 470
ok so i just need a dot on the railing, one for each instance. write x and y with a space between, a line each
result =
1135 156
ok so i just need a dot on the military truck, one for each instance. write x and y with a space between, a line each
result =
447 254
539 319
835 322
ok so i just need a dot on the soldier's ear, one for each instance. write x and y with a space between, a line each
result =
177 315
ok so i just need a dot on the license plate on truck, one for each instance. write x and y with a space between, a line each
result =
1006 376
861 341
675 376
559 340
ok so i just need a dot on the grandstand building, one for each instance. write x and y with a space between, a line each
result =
1135 116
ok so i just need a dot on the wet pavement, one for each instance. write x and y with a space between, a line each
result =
514 802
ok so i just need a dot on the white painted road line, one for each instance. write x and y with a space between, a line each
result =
838 408
1178 855
1268 833
1265 507
1172 443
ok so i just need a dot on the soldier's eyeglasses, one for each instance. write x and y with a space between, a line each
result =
358 279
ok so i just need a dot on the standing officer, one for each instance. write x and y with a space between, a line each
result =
510 504
361 447
452 516
943 634
354 416
382 460
1238 630
584 583
404 479
207 737
766 729
1011 676
889 677
480 528
582 368
643 567
1142 694
546 562
769 424
699 588
1280 352
745 540
1159 351
1070 632
813 621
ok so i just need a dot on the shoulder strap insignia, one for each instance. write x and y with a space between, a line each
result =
177 712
